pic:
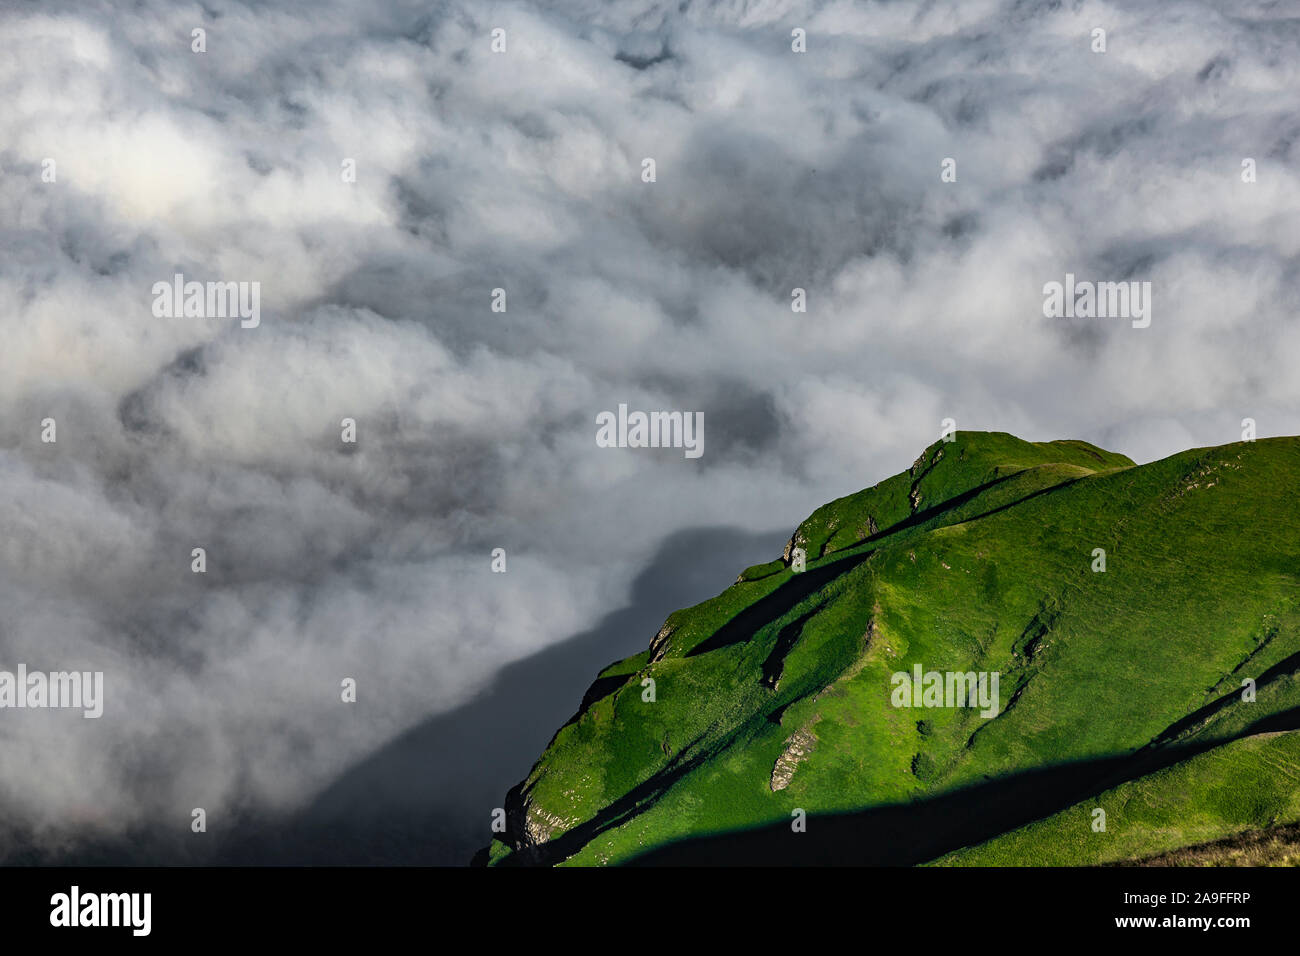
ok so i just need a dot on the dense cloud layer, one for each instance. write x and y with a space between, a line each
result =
522 170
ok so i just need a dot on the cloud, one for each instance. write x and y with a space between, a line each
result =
521 170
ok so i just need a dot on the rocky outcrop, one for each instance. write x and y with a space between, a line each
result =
540 826
659 645
797 749
797 540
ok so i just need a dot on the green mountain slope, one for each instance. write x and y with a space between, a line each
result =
776 696
1247 784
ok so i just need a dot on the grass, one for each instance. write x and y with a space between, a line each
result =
1245 785
1275 846
980 557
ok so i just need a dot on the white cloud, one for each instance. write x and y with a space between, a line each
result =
522 170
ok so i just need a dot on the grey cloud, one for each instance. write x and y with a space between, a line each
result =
476 429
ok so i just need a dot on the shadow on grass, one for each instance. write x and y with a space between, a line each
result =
896 835
775 605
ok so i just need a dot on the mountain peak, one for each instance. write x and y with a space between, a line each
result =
947 474
1111 613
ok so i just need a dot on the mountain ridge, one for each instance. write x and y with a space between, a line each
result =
982 557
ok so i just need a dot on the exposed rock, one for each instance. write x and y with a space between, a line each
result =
797 748
797 540
539 826
659 646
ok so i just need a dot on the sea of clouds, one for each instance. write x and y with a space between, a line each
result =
522 170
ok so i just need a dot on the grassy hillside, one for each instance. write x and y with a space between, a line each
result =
1245 785
775 696
1274 846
